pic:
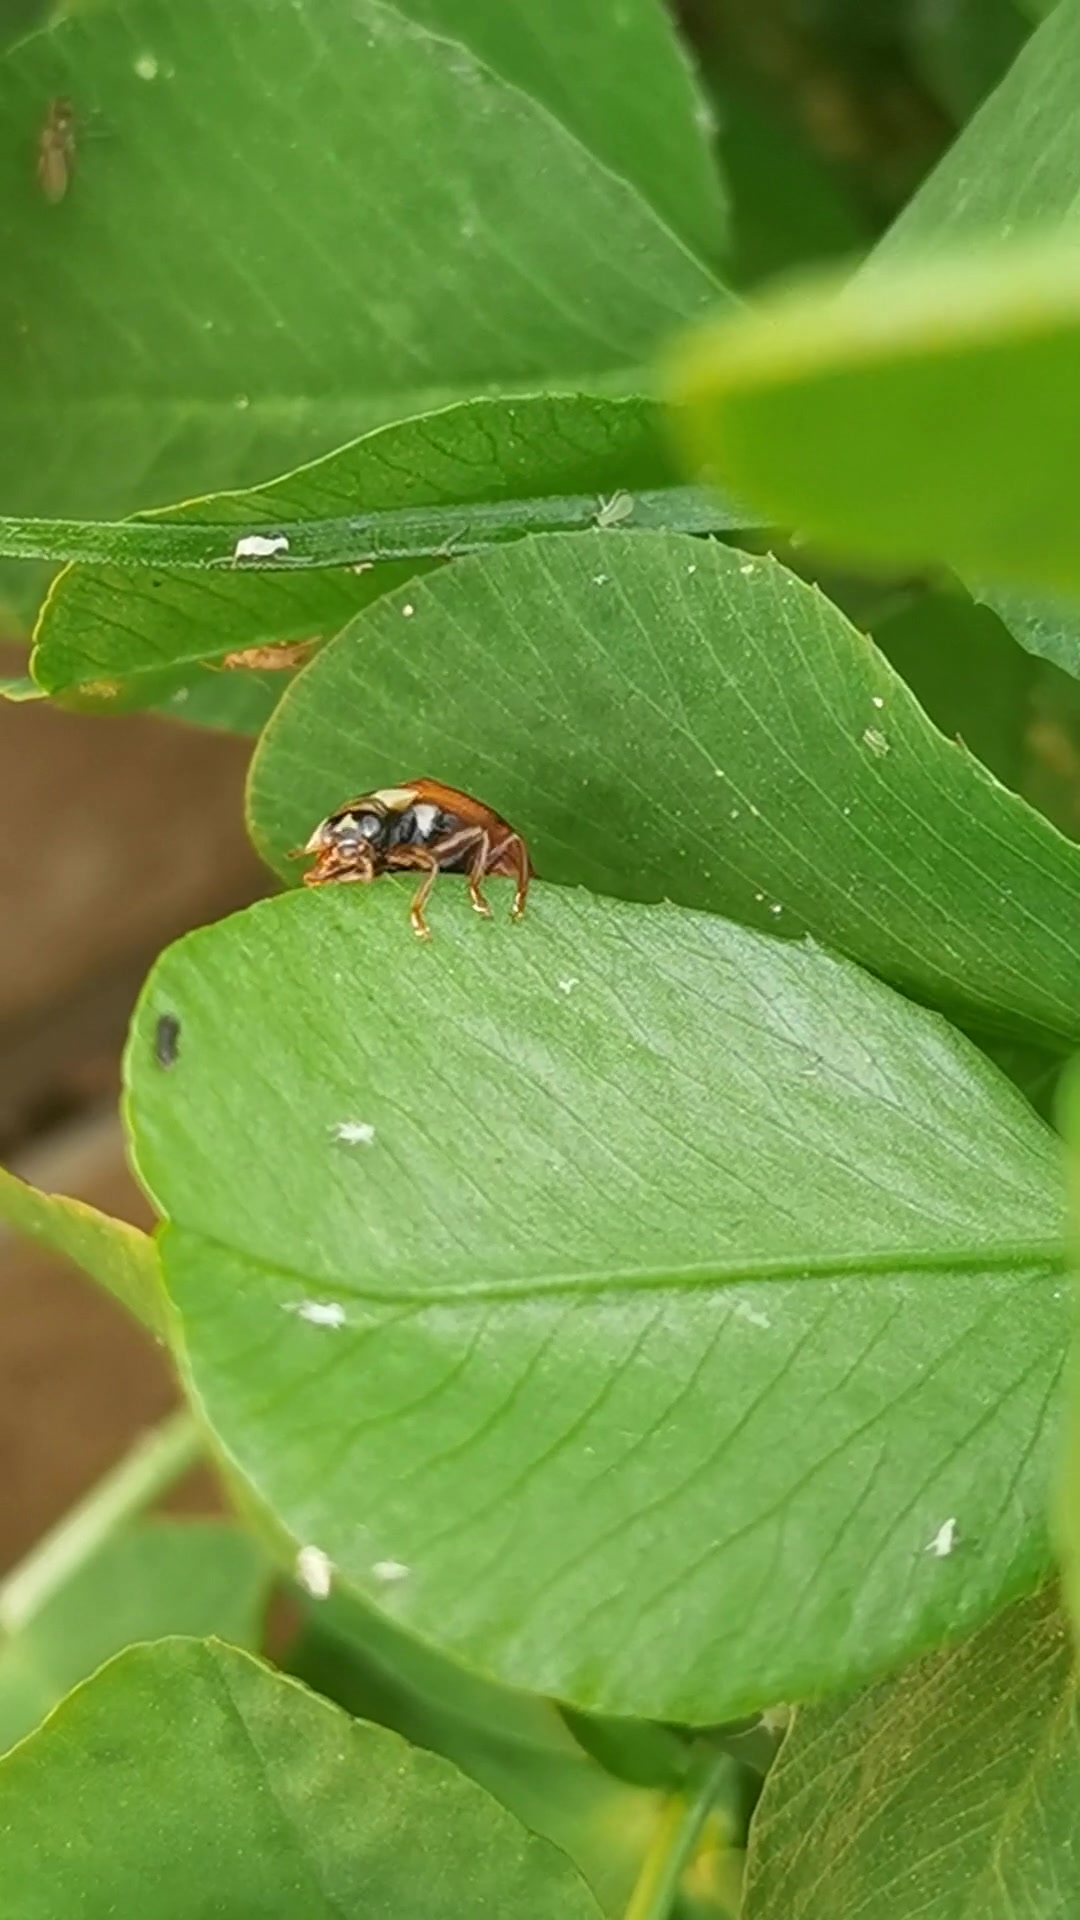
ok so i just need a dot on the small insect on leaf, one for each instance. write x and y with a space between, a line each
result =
280 659
424 827
167 1040
613 510
56 151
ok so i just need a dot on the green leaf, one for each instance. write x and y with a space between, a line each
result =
163 1577
20 688
1015 167
588 1265
116 1255
948 1792
617 78
486 470
230 702
1044 625
188 316
667 718
824 409
1067 1504
513 1744
187 1779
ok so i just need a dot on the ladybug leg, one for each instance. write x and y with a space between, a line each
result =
476 874
517 853
421 858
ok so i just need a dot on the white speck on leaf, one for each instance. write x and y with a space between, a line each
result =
408 610
943 1541
179 696
315 1571
146 67
752 1315
734 813
390 1570
354 1133
719 772
599 579
876 700
692 568
260 546
568 985
776 907
748 566
320 1313
876 741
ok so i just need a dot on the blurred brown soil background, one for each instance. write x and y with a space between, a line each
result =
117 836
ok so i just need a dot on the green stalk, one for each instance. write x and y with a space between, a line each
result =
675 1839
146 1471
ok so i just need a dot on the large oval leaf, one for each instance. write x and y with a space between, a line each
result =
276 1804
624 1299
950 1792
190 314
667 718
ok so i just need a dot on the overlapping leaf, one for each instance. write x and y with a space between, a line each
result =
160 1578
273 1802
824 409
668 718
111 637
634 1296
950 1792
116 1255
285 223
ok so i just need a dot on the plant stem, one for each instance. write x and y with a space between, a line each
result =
157 1459
675 1839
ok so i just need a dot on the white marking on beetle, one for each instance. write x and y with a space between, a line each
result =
354 1133
260 546
390 1570
568 985
146 67
876 741
320 1313
616 508
395 799
426 816
944 1540
315 1571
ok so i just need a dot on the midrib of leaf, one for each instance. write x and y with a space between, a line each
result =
393 534
1040 1258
